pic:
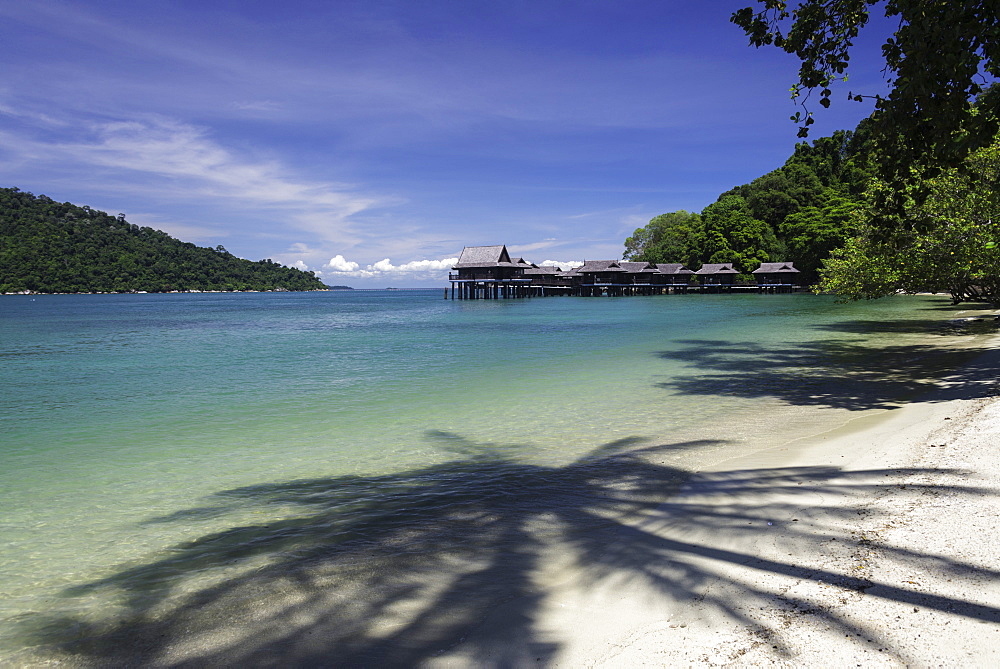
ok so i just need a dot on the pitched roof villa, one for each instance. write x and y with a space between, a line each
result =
483 256
489 272
717 274
775 274
674 274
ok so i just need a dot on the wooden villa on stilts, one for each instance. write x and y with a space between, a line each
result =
547 281
673 277
776 277
602 277
717 277
490 273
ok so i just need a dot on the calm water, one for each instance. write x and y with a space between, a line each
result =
159 449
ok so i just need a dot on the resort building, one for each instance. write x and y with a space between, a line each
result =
776 275
641 275
602 277
550 281
720 276
674 275
489 272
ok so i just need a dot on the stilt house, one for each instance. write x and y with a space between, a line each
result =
602 276
776 274
673 274
716 274
487 272
549 281
640 273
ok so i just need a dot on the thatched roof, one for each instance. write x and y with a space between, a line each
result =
672 268
637 267
717 268
775 268
600 266
546 271
484 256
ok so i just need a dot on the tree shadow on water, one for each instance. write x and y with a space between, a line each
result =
447 561
834 373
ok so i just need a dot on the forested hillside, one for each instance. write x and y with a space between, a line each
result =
822 210
799 212
52 247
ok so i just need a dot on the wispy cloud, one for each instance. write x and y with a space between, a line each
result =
171 149
184 161
534 246
198 234
258 106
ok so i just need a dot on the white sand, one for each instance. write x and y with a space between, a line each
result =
875 545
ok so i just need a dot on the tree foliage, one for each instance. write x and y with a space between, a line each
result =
812 233
956 250
671 237
52 247
733 234
940 58
798 212
939 63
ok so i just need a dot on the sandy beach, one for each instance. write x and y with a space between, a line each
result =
871 545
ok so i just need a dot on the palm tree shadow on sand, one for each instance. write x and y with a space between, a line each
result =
834 373
457 561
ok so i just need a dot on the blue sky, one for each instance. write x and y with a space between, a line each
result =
371 140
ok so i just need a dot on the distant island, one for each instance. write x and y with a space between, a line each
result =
52 247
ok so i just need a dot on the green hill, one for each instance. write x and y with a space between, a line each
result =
52 247
799 212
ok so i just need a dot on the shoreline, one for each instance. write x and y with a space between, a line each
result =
871 544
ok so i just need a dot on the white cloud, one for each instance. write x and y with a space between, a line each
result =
425 265
340 264
564 264
414 266
302 248
423 269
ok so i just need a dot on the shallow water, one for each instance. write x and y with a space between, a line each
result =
158 449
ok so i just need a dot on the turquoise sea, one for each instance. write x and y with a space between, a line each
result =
210 478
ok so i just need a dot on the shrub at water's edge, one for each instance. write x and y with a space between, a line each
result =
52 247
952 244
